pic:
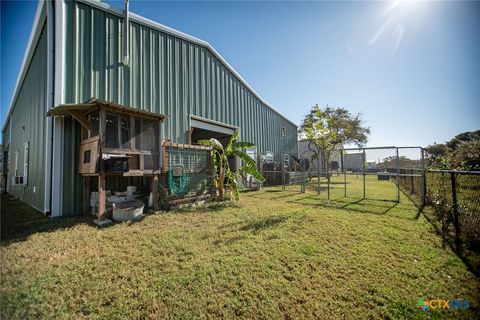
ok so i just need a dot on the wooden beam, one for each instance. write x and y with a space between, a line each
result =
86 194
77 115
102 199
101 126
132 132
133 173
155 192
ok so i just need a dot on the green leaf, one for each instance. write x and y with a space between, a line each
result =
253 171
244 157
212 142
233 138
242 145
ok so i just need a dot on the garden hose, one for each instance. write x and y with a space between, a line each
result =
176 185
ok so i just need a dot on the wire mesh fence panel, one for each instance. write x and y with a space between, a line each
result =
455 199
294 172
189 171
286 170
468 197
412 174
365 173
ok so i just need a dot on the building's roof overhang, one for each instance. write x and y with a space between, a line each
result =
92 104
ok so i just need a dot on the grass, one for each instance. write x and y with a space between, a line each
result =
273 254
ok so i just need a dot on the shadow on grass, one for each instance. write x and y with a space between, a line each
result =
19 221
268 222
378 207
265 223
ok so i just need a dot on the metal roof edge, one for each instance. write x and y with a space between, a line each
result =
40 16
185 36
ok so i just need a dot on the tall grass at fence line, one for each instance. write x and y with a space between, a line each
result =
440 196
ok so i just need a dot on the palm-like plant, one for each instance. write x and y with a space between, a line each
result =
221 167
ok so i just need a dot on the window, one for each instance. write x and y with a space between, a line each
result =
87 154
286 160
283 132
269 156
16 163
25 163
111 127
252 153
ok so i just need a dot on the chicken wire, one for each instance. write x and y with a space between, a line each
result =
197 168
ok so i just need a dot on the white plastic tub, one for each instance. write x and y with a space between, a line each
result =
127 211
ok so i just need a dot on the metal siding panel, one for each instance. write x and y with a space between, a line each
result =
98 51
112 56
145 96
83 57
27 123
70 63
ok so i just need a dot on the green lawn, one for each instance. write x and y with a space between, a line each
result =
273 254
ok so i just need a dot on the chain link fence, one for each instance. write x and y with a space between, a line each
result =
388 174
365 173
285 170
382 173
455 199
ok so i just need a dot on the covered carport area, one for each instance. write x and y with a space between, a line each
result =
204 129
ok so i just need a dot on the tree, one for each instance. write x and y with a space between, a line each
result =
328 127
461 152
223 176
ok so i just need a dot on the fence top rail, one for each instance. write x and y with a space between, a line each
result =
186 146
377 148
454 171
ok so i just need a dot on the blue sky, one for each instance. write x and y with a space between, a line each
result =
411 68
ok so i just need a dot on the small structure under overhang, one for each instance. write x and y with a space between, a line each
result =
116 141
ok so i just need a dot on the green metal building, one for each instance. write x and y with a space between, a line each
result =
79 50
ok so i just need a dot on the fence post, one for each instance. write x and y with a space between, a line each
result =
327 168
398 177
304 178
424 180
456 222
412 189
344 176
364 177
318 173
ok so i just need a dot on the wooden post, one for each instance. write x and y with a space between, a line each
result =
165 165
102 200
155 191
189 135
86 194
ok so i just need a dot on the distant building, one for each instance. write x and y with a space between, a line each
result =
305 152
353 161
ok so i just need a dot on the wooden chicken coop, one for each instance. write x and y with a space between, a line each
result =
117 141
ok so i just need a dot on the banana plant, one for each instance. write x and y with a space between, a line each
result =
221 167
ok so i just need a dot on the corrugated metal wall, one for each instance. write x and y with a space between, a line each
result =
27 123
166 75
